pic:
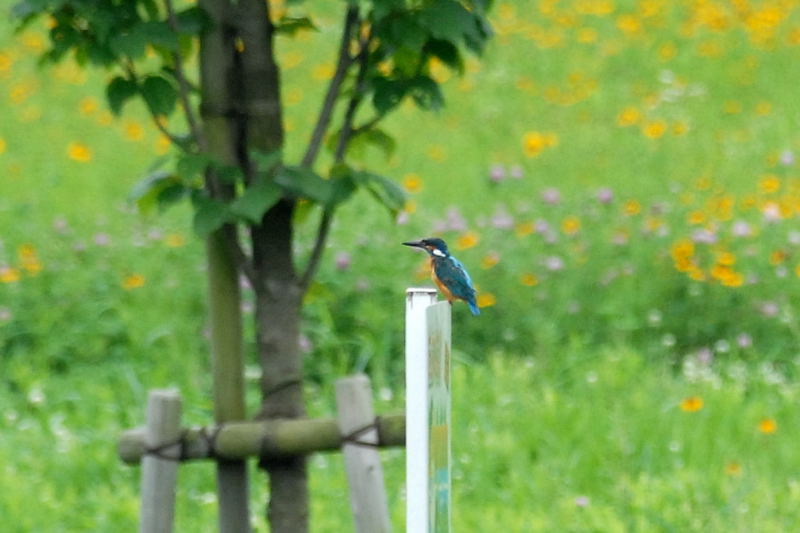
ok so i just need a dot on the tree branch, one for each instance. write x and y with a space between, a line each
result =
355 99
344 139
319 247
183 85
342 66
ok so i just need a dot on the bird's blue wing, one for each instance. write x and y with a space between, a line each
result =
452 273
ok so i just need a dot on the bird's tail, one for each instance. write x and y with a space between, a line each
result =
473 307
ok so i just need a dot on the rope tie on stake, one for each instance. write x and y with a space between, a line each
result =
354 436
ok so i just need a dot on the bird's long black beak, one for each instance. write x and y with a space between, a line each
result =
415 244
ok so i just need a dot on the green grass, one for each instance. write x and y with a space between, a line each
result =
567 389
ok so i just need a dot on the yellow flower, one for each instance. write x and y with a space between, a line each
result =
679 128
524 229
691 404
133 131
726 258
174 240
410 207
629 24
412 182
776 257
529 280
632 207
162 144
133 281
629 116
8 274
654 129
763 108
486 299
29 259
5 62
587 35
3 145
294 96
88 105
437 153
534 142
733 107
79 152
767 426
769 184
489 260
105 118
467 240
733 468
322 72
696 217
667 51
571 225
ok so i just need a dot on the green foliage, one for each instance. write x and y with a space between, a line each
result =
117 35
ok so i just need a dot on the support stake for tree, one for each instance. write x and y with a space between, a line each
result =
160 463
361 457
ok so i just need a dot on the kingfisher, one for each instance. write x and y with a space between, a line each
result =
448 273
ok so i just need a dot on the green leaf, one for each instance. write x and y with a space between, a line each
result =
304 182
292 25
209 215
191 165
159 94
450 21
158 33
192 21
378 138
131 43
384 190
426 92
256 200
387 94
119 91
159 189
266 161
447 53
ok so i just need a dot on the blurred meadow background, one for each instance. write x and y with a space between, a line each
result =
621 177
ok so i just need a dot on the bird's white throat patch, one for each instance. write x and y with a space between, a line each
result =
437 252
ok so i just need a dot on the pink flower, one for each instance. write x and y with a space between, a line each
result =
343 261
497 173
605 195
551 196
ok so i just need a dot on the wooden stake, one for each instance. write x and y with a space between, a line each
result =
363 463
160 463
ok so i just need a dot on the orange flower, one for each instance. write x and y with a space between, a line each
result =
8 274
768 426
79 152
467 240
489 260
571 225
133 281
691 404
733 468
412 182
486 299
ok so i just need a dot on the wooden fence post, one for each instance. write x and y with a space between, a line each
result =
362 461
160 463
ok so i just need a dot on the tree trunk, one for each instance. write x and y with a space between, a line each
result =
278 293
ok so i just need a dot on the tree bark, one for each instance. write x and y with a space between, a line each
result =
278 294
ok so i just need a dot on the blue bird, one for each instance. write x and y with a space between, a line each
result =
448 273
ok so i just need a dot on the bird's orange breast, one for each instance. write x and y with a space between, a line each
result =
442 287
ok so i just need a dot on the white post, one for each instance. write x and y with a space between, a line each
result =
160 465
417 397
439 417
363 463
